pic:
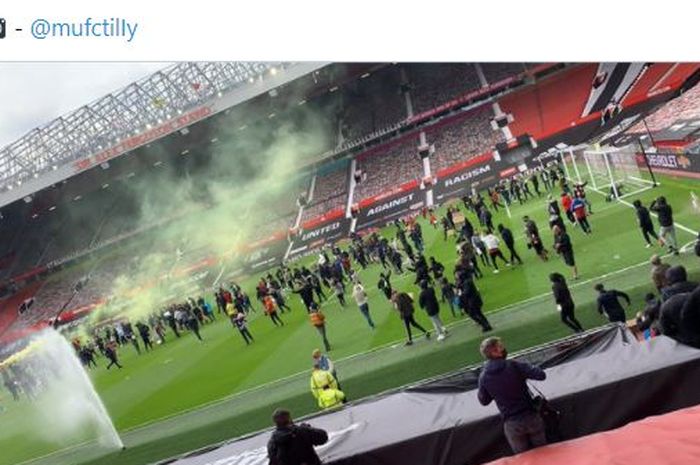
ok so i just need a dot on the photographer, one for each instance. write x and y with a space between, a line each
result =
292 444
505 382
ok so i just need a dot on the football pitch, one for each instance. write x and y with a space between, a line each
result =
188 394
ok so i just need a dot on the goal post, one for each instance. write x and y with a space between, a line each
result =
612 171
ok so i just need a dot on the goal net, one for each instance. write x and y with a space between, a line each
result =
612 171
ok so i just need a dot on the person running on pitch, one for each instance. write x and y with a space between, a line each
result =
609 305
645 223
270 306
360 296
534 240
578 207
428 301
339 290
667 230
565 304
318 321
404 305
491 242
111 354
563 246
242 326
448 294
509 241
384 284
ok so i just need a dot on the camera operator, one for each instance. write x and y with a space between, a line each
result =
292 444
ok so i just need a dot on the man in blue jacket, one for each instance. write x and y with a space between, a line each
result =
505 382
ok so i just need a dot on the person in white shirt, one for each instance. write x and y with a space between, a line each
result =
360 296
492 242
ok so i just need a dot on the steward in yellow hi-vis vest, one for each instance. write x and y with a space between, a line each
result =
319 379
329 397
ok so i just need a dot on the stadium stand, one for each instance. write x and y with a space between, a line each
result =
541 110
495 72
432 85
372 103
330 192
685 107
462 137
9 316
390 166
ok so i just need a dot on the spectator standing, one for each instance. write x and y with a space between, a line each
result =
677 283
505 381
658 272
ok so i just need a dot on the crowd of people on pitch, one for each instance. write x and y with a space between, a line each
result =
526 423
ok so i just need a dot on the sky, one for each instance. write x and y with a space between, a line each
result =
33 94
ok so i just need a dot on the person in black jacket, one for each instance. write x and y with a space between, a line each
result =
427 300
667 230
676 283
384 284
509 241
292 444
448 294
644 221
470 300
609 305
565 304
404 305
437 268
306 292
505 381
563 246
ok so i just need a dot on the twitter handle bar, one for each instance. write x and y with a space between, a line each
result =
104 28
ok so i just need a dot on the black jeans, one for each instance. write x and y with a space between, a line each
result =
247 337
410 321
647 232
276 319
569 319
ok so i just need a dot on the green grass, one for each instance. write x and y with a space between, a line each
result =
213 384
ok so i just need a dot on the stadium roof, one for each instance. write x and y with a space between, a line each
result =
167 101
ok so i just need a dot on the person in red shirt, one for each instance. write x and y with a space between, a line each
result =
270 306
566 202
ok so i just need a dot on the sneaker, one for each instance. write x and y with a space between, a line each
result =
495 271
441 337
427 334
507 264
408 343
647 246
